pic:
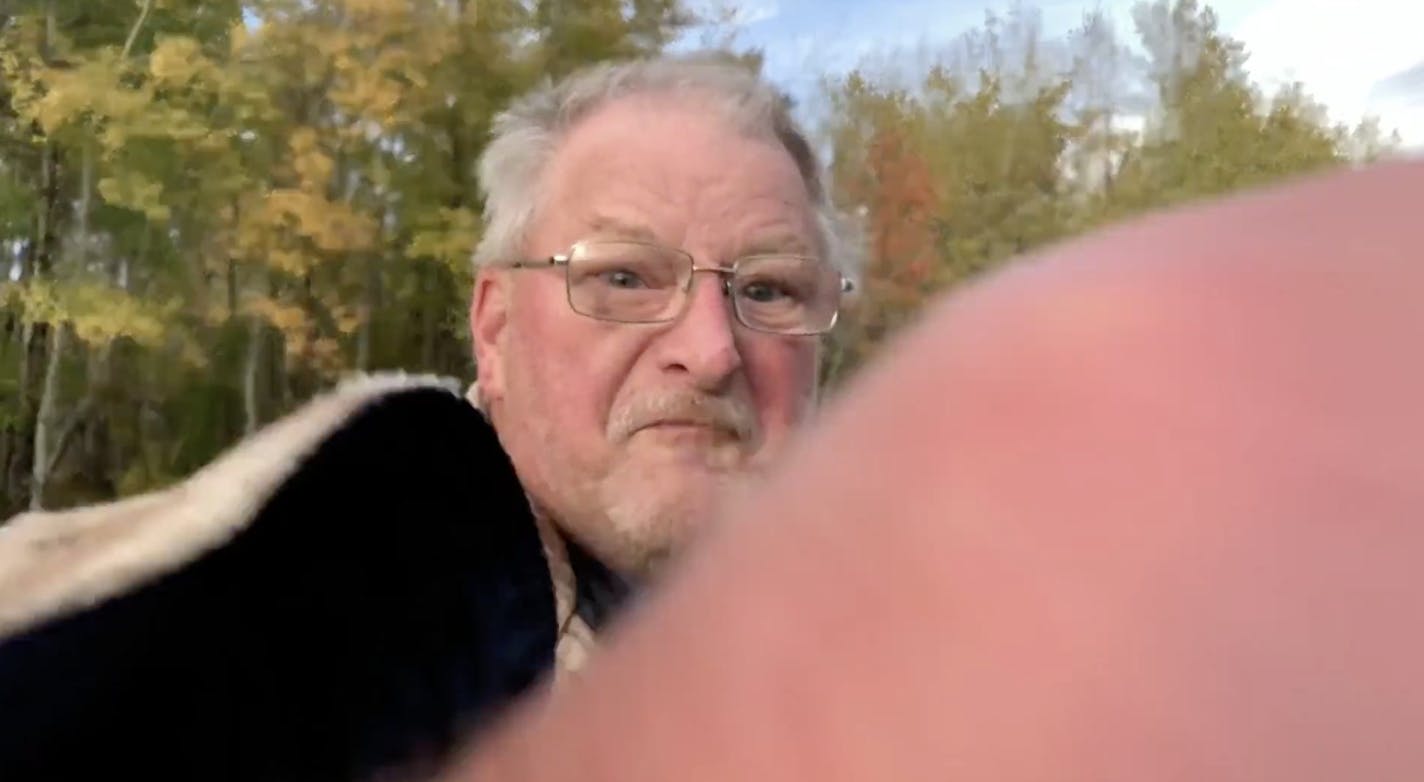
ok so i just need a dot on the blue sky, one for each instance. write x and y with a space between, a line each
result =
1357 56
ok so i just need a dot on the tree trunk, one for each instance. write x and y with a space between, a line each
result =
97 360
21 432
429 313
137 26
367 313
370 302
22 461
91 421
251 370
47 421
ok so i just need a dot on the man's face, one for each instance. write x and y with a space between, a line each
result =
629 434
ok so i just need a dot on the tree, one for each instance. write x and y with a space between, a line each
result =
1212 131
952 177
1010 142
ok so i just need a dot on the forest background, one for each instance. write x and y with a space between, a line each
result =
212 209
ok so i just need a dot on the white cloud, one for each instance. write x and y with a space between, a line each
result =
1340 51
754 11
738 13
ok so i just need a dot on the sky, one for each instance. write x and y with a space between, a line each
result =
1358 57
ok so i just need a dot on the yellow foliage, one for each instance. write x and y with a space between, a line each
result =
303 345
177 60
215 313
304 348
387 11
293 261
98 313
384 60
293 231
289 319
371 96
20 64
91 89
330 226
132 190
237 36
346 317
313 166
449 238
324 355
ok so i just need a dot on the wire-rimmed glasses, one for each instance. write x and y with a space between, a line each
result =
641 282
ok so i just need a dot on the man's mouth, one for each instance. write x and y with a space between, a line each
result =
690 427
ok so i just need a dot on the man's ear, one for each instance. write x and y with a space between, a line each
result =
489 313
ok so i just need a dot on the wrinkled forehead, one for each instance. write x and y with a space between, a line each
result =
664 166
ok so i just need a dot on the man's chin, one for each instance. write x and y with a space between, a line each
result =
688 450
656 514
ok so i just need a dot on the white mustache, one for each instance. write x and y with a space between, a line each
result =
682 407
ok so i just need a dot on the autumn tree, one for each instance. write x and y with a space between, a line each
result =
1009 141
951 175
1211 130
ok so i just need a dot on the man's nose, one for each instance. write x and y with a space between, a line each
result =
702 343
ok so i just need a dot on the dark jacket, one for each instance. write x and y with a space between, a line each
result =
349 593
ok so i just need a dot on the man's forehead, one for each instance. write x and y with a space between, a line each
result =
661 201
603 224
773 235
660 128
606 181
766 236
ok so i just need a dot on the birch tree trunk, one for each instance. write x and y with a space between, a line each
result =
47 420
251 371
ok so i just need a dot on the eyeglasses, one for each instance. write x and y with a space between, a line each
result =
641 282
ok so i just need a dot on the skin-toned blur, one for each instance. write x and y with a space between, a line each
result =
1147 507
629 435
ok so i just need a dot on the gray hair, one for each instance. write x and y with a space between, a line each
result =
526 135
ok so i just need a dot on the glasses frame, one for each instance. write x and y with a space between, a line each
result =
727 274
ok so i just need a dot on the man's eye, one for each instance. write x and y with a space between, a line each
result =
772 291
622 278
765 292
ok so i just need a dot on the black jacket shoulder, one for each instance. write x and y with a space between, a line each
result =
350 592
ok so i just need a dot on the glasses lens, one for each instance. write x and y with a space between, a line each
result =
787 294
626 281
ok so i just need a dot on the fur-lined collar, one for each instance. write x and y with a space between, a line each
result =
54 563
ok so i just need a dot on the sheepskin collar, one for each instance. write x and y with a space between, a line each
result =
56 562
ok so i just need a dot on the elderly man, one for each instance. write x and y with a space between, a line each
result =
658 265
359 586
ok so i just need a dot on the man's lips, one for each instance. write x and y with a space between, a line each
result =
676 425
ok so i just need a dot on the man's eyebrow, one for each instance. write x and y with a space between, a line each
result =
782 242
608 226
788 243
